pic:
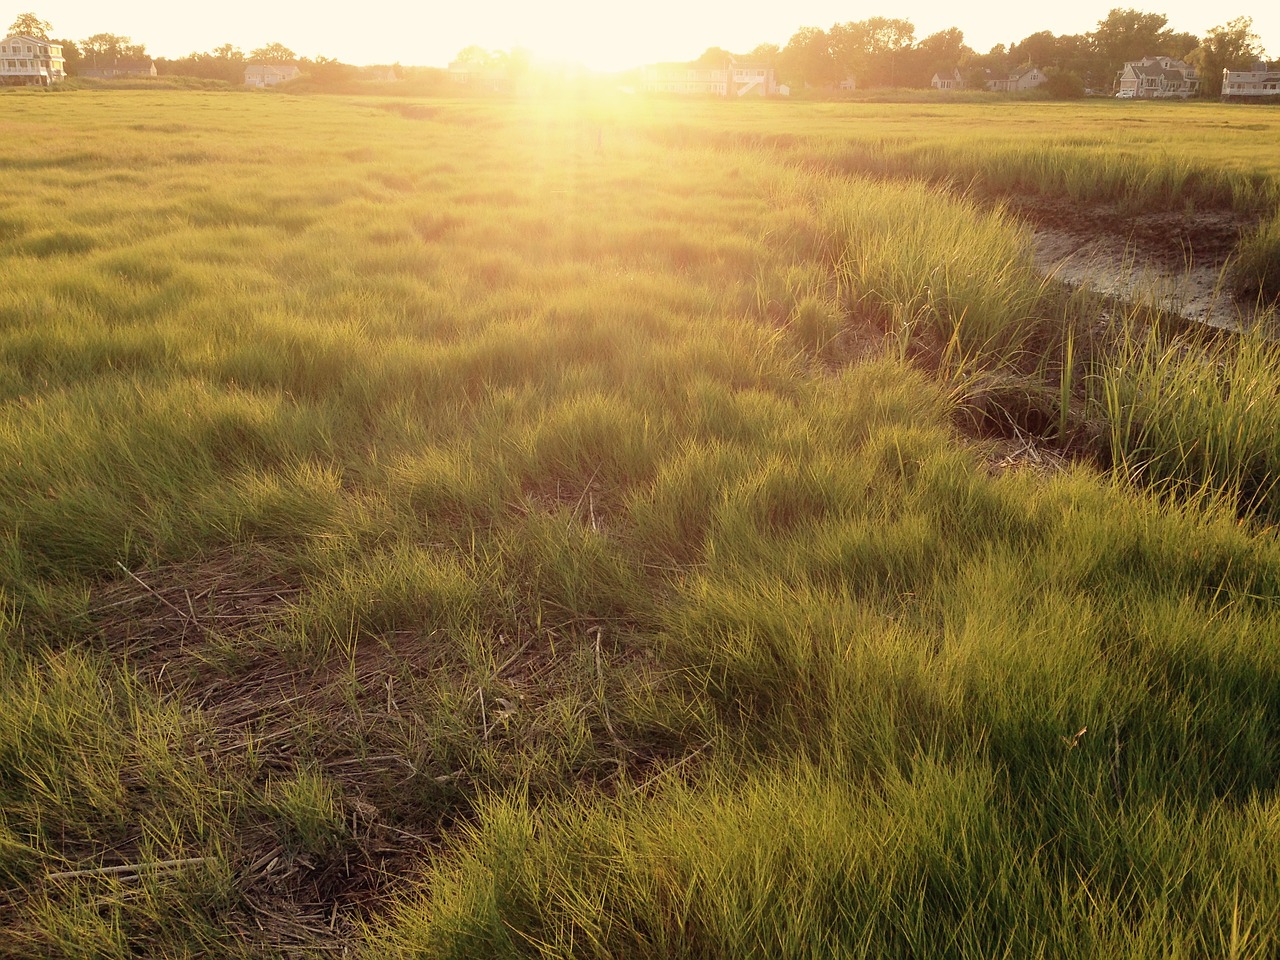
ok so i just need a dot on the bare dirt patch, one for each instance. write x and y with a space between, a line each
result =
198 632
405 725
1172 259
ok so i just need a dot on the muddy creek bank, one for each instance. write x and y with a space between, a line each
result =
1171 259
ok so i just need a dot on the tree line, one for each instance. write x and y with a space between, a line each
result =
876 52
225 62
884 52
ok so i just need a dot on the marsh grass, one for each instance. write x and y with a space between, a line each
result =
1113 155
542 529
1254 272
1191 418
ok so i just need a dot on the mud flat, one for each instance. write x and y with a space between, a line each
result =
1171 260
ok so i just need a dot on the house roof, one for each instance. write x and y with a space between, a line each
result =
1159 73
1158 63
1263 76
42 44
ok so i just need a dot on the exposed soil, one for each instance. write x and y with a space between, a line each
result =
202 633
195 631
1173 259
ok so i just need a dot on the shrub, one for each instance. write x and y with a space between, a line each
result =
1064 85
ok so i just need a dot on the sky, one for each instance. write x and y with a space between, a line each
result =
601 34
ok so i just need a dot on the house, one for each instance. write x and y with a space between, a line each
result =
1258 82
947 80
494 74
736 78
1024 78
378 74
1157 77
119 68
269 74
30 62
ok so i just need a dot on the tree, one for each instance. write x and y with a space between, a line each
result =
888 35
327 72
1232 46
224 63
474 56
29 25
945 46
807 59
977 68
108 47
1038 50
272 53
70 54
1125 35
1074 53
714 57
872 50
766 53
1178 44
1063 84
1128 34
940 52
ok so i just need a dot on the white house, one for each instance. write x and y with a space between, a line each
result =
1158 77
1258 82
947 81
1026 78
30 62
269 74
736 78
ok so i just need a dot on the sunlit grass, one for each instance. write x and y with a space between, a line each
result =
1195 420
544 529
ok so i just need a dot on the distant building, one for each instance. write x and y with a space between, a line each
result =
119 68
1157 77
30 62
735 78
269 74
494 75
380 74
1260 81
1025 78
948 80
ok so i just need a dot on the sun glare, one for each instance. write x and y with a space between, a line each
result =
580 48
601 39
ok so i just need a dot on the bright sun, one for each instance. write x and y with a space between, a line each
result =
601 37
590 52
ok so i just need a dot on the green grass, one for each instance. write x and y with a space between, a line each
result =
1195 420
1140 156
1254 273
558 529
